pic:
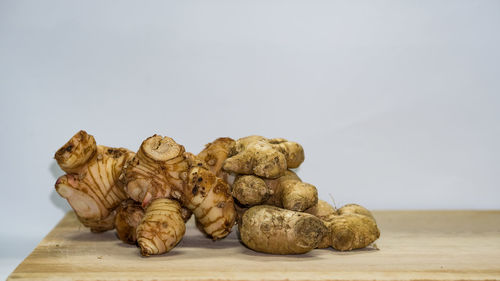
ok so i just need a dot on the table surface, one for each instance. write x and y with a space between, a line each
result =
423 245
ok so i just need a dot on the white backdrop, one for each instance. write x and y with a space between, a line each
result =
395 102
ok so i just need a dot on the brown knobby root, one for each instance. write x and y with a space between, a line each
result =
355 209
161 228
274 230
214 154
268 158
91 185
350 227
294 153
287 191
128 216
156 170
162 169
208 197
322 210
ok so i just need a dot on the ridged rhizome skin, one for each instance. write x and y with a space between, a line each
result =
162 169
161 228
158 170
92 185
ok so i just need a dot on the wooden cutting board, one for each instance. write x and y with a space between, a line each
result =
423 245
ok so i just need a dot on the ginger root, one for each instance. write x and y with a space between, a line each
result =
214 155
162 169
211 202
148 196
268 158
287 191
161 228
128 217
274 230
156 170
322 210
91 185
350 227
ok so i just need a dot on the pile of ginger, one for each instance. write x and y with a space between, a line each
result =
148 196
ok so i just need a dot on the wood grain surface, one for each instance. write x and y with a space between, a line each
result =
414 245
